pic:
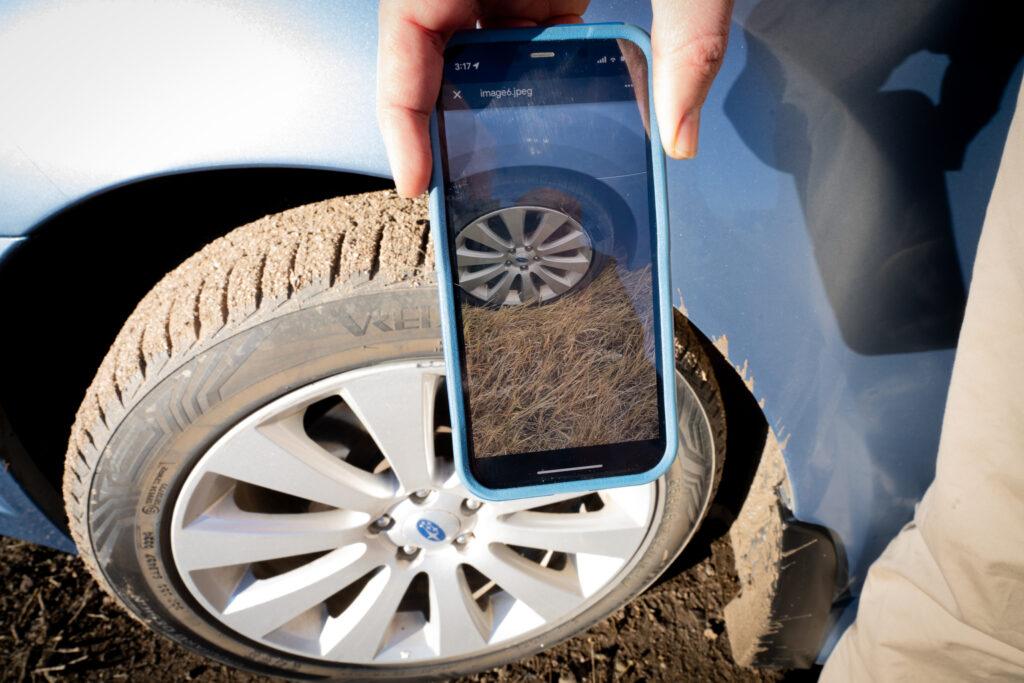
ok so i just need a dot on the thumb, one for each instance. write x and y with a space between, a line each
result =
688 40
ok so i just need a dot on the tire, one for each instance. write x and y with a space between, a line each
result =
270 309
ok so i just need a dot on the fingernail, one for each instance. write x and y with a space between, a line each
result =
685 144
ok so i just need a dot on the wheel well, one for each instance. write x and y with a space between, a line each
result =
69 287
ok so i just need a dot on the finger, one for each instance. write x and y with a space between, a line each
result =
410 57
563 19
506 22
540 12
410 60
689 39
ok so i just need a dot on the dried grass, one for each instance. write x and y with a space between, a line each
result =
575 372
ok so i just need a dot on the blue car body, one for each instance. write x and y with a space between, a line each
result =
826 232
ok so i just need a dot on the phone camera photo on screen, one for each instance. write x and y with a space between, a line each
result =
551 237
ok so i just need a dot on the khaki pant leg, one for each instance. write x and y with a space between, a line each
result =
945 601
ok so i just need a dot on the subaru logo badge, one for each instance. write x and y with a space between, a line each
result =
429 530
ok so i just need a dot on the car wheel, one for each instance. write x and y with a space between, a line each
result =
262 469
534 234
522 255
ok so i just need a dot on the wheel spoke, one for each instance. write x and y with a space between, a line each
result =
358 632
472 257
557 283
574 240
453 482
398 412
224 535
482 233
506 507
321 573
476 278
578 263
549 593
605 532
264 605
527 289
550 222
515 220
457 623
280 457
500 291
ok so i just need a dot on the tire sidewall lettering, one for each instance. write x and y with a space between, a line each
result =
393 324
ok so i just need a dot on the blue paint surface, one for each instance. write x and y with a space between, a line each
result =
21 518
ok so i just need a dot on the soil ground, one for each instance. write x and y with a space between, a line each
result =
56 624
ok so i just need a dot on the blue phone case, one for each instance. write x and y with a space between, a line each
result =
446 296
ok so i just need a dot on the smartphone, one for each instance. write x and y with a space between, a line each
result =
550 226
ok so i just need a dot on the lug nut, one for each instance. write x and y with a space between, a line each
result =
473 504
409 549
421 493
382 522
536 258
462 539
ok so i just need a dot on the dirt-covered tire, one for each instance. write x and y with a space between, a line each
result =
271 308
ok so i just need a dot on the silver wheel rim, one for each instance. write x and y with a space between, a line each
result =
393 563
522 254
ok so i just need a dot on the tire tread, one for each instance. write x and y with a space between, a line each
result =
295 259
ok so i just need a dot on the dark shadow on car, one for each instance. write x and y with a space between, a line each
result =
869 156
71 285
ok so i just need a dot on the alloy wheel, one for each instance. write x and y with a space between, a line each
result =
522 254
331 524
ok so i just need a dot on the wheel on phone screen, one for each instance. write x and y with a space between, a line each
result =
530 235
522 255
262 469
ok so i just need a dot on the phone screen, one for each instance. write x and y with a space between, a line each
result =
550 228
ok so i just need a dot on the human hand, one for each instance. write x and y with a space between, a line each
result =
688 39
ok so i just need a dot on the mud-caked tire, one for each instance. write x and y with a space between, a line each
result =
272 307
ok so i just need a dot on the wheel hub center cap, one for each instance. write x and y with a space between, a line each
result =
431 528
432 525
